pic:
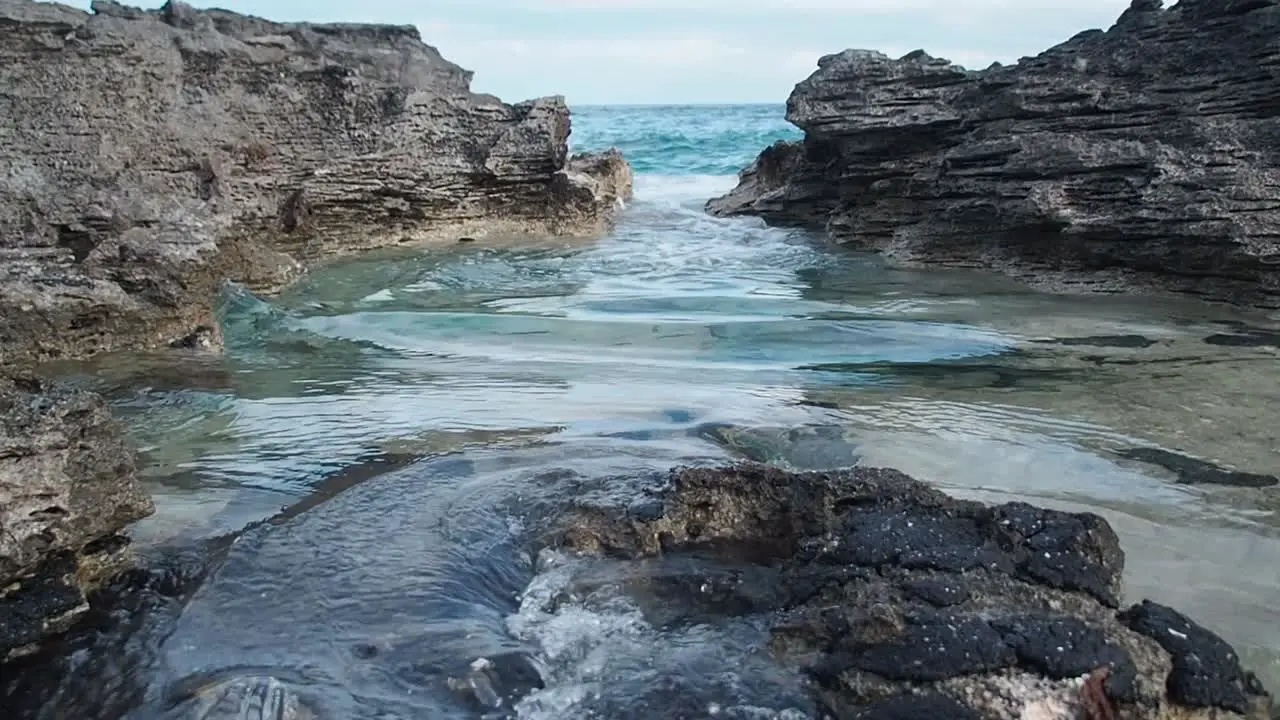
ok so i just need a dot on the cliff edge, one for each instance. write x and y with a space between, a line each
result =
148 156
1144 155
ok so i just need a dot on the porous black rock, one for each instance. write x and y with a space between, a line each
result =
894 598
1206 670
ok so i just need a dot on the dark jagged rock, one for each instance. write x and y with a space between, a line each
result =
97 670
1206 671
899 601
152 155
46 600
1142 155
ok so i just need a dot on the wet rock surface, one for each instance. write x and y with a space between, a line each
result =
1139 156
893 600
111 644
68 484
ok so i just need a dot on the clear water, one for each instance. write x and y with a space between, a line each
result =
680 338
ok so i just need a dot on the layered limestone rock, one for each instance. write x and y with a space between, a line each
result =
67 485
148 156
1142 155
151 155
894 600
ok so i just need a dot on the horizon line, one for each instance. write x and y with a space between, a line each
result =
734 103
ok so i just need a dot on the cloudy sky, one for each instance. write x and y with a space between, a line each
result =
678 51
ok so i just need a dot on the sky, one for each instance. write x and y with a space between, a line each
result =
693 51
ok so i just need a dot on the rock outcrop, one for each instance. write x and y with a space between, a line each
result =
897 601
1144 155
67 485
148 156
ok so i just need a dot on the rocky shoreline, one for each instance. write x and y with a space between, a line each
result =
1139 157
153 155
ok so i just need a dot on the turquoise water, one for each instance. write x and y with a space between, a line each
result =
679 338
682 140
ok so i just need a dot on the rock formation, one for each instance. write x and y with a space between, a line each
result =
897 601
148 156
67 486
151 155
1139 156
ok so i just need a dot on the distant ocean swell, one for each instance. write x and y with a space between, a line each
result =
682 140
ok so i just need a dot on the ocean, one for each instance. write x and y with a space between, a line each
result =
683 141
430 403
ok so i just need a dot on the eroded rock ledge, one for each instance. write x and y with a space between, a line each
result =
897 601
68 484
151 155
148 156
1139 156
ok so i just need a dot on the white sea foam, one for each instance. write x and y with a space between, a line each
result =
682 189
381 296
602 652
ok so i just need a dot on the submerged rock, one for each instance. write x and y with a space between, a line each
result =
1141 155
1193 471
897 601
809 447
494 684
1245 337
1107 341
244 698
